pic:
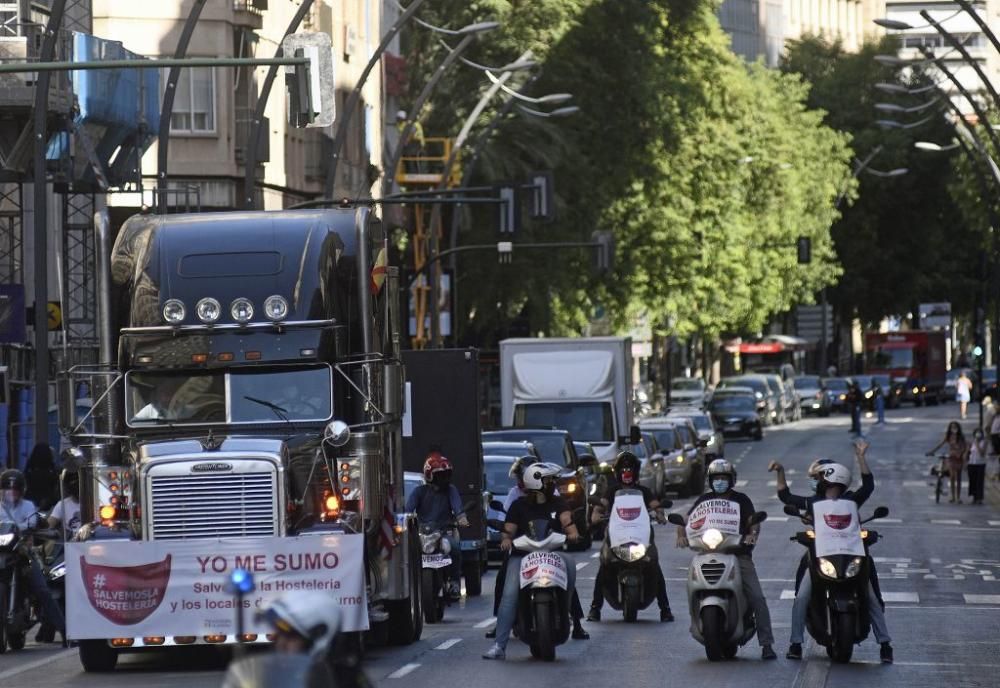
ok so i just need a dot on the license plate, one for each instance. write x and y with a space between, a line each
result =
436 561
734 427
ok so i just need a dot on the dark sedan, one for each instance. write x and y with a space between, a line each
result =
837 388
736 415
498 484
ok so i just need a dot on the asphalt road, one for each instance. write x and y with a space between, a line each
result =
939 565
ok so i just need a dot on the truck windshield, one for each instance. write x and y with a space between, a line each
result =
586 422
888 359
239 396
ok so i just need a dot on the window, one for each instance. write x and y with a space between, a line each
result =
586 421
194 102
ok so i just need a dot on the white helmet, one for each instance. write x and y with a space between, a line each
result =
313 615
401 114
835 474
537 472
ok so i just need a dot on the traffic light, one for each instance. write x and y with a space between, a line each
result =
605 257
509 210
804 247
977 351
311 86
542 196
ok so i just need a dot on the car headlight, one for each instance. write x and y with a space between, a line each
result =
711 440
174 311
916 390
827 568
854 568
630 552
275 308
6 539
758 395
843 397
241 309
679 459
712 538
869 394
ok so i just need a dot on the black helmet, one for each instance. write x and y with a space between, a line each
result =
12 479
627 466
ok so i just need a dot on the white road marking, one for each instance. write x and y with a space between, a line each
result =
946 521
787 595
777 518
448 644
914 483
994 523
742 483
595 555
488 622
888 520
969 599
581 564
892 560
403 670
901 597
37 663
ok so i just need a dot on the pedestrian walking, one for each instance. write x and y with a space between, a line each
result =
963 393
977 466
854 397
958 451
879 404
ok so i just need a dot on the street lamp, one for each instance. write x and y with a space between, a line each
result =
898 172
893 124
899 89
935 147
892 107
558 112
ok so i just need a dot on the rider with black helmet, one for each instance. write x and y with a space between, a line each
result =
22 512
626 476
721 482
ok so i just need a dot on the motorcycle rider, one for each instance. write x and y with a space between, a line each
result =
537 505
722 479
626 476
834 481
438 503
308 623
22 512
515 493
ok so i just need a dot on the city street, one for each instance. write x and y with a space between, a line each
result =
939 566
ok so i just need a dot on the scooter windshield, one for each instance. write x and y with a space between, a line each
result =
629 519
838 528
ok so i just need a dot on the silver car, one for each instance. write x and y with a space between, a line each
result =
682 464
688 391
715 445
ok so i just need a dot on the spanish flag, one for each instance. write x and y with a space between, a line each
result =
378 272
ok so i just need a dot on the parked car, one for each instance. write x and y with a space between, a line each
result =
512 449
891 392
688 391
950 387
767 401
498 483
837 388
715 447
735 412
988 386
683 464
812 395
556 446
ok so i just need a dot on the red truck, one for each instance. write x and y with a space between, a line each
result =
914 362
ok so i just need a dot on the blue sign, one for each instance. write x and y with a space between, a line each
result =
12 314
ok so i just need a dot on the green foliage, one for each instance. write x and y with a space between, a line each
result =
706 170
904 240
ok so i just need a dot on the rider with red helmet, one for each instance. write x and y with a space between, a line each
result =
438 503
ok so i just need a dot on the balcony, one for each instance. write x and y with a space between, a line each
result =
249 13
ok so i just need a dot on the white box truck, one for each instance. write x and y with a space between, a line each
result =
583 385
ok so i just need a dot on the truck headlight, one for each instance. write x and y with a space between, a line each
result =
208 310
275 308
827 568
712 537
241 309
174 311
854 568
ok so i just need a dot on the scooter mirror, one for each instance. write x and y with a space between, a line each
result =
758 517
676 519
496 505
881 512
792 511
469 506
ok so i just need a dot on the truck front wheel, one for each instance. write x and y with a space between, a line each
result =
97 656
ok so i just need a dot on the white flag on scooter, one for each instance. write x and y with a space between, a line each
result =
629 520
838 528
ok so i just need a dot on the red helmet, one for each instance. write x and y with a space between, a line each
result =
435 463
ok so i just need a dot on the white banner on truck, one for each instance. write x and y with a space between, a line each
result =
178 587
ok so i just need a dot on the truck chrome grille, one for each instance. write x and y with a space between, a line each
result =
713 572
213 506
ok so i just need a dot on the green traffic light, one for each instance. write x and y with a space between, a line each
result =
977 351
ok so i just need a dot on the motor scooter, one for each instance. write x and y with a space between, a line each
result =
629 559
838 567
543 599
721 616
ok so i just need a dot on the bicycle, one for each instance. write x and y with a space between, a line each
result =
942 472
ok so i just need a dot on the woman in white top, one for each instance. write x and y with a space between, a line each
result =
963 392
977 466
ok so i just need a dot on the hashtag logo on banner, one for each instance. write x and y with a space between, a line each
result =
99 581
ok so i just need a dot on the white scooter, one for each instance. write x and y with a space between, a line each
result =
721 617
543 601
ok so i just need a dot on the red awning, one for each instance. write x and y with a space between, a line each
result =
895 345
761 348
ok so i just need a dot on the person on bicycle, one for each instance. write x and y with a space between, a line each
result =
958 452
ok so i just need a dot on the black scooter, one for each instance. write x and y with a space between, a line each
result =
838 616
16 609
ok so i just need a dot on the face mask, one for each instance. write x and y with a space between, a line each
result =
628 477
549 488
10 498
441 480
720 486
813 484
